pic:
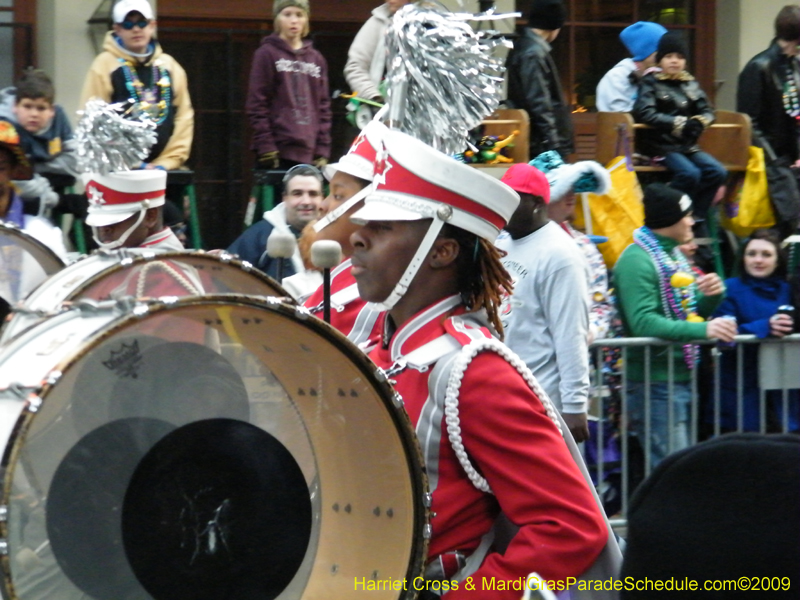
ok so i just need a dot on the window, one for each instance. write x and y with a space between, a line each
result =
589 43
17 20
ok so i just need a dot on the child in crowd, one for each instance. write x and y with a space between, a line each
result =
46 139
288 101
133 68
672 102
618 89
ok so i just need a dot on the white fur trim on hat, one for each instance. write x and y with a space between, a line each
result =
563 179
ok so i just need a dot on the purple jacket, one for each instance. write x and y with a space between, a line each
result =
288 101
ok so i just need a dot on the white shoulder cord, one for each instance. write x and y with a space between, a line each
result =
452 419
182 280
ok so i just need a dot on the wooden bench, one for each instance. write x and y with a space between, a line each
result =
728 139
585 138
505 121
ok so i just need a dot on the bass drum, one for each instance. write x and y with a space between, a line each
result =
25 262
271 463
141 273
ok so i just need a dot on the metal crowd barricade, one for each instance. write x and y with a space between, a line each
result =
778 367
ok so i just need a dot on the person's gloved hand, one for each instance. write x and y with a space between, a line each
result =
320 162
269 160
692 130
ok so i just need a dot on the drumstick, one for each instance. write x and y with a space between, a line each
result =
326 254
280 245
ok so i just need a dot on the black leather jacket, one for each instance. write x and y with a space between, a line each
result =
667 104
533 85
760 95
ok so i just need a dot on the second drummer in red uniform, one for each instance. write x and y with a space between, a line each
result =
350 181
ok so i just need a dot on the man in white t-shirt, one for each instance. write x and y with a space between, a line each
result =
546 319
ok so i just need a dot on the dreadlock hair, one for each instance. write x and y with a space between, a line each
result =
482 279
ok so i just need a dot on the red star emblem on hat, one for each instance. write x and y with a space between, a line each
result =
382 166
95 196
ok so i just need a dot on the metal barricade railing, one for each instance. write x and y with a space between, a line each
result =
778 368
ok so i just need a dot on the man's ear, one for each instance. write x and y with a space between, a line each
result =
151 217
445 252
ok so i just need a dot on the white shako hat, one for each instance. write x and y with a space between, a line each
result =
360 158
358 162
117 196
413 181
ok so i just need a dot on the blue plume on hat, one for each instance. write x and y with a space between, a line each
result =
641 39
580 177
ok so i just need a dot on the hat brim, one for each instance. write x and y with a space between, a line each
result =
330 170
381 210
100 219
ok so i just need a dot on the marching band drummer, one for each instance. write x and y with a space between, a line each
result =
425 253
350 181
126 210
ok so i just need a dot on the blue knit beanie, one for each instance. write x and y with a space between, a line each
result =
641 39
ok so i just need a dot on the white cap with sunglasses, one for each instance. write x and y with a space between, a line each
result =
125 7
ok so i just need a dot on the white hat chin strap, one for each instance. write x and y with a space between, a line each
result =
337 212
123 238
411 271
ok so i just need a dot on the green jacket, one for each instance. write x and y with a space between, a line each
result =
639 297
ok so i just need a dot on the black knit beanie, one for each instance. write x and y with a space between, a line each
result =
547 14
664 206
670 42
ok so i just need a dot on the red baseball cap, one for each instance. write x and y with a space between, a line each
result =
527 179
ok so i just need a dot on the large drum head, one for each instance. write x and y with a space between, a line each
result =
141 273
217 447
24 263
